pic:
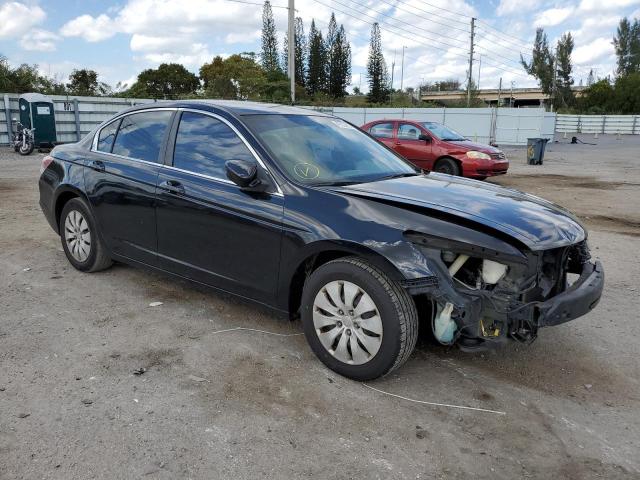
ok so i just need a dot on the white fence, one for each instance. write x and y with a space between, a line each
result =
504 126
611 124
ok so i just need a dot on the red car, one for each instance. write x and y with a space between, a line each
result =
432 146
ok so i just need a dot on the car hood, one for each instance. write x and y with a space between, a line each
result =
468 145
537 223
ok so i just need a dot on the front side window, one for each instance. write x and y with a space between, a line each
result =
141 134
317 150
107 136
407 131
204 144
382 130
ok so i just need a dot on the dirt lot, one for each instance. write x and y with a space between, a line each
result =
245 404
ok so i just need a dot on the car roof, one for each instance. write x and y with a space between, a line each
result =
234 107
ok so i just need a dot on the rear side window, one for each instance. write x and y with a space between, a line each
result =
107 136
140 135
204 144
382 130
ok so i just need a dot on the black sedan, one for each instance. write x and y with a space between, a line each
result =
309 215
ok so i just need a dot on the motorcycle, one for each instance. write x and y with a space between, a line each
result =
24 139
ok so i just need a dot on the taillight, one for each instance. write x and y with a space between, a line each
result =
46 161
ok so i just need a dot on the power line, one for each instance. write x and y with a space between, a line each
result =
506 42
497 63
255 3
466 31
503 32
440 9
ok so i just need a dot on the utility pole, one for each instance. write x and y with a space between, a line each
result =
511 96
555 69
292 51
470 79
479 68
499 92
393 68
402 69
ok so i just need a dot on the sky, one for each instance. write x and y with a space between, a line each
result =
121 38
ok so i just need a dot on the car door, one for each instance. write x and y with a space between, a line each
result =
121 172
409 145
210 230
383 132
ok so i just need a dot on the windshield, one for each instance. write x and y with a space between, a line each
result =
442 132
317 150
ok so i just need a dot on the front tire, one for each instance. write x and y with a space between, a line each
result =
358 321
26 149
81 241
447 165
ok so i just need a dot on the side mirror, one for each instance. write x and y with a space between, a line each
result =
424 137
243 173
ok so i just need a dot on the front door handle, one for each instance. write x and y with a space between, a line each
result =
172 186
96 165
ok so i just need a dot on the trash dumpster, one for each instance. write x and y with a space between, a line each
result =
535 150
36 111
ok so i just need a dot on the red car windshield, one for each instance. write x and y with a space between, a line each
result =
442 132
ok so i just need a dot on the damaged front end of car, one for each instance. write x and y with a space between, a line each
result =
486 296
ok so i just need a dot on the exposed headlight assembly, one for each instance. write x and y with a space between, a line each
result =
478 155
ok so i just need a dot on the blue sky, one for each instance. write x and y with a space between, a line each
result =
120 38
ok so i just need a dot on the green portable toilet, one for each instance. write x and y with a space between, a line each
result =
36 111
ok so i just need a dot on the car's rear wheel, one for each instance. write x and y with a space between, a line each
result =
448 166
80 239
358 321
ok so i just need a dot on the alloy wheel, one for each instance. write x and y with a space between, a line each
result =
347 322
77 235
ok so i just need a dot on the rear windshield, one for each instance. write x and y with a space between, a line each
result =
325 150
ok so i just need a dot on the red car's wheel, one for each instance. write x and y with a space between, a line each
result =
448 166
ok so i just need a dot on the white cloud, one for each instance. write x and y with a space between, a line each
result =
599 5
591 52
17 18
92 29
39 40
510 7
553 16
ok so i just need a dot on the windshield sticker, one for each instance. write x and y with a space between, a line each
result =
306 171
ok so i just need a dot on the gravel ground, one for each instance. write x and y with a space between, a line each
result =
245 404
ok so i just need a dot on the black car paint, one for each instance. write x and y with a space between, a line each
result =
260 245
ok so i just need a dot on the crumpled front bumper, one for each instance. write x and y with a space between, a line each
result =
578 300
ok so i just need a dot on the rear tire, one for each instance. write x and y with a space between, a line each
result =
447 165
80 238
368 324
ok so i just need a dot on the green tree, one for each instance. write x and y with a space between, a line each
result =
564 96
84 82
627 47
269 41
300 52
591 78
316 69
339 60
377 73
169 80
541 64
238 77
626 98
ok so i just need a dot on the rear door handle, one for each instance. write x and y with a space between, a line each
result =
172 186
96 165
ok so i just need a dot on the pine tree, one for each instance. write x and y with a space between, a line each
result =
541 65
591 78
269 41
627 47
377 74
300 52
316 70
339 61
564 69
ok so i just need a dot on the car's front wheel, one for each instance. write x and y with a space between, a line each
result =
447 165
358 321
80 239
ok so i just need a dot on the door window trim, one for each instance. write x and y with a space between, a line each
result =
94 144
